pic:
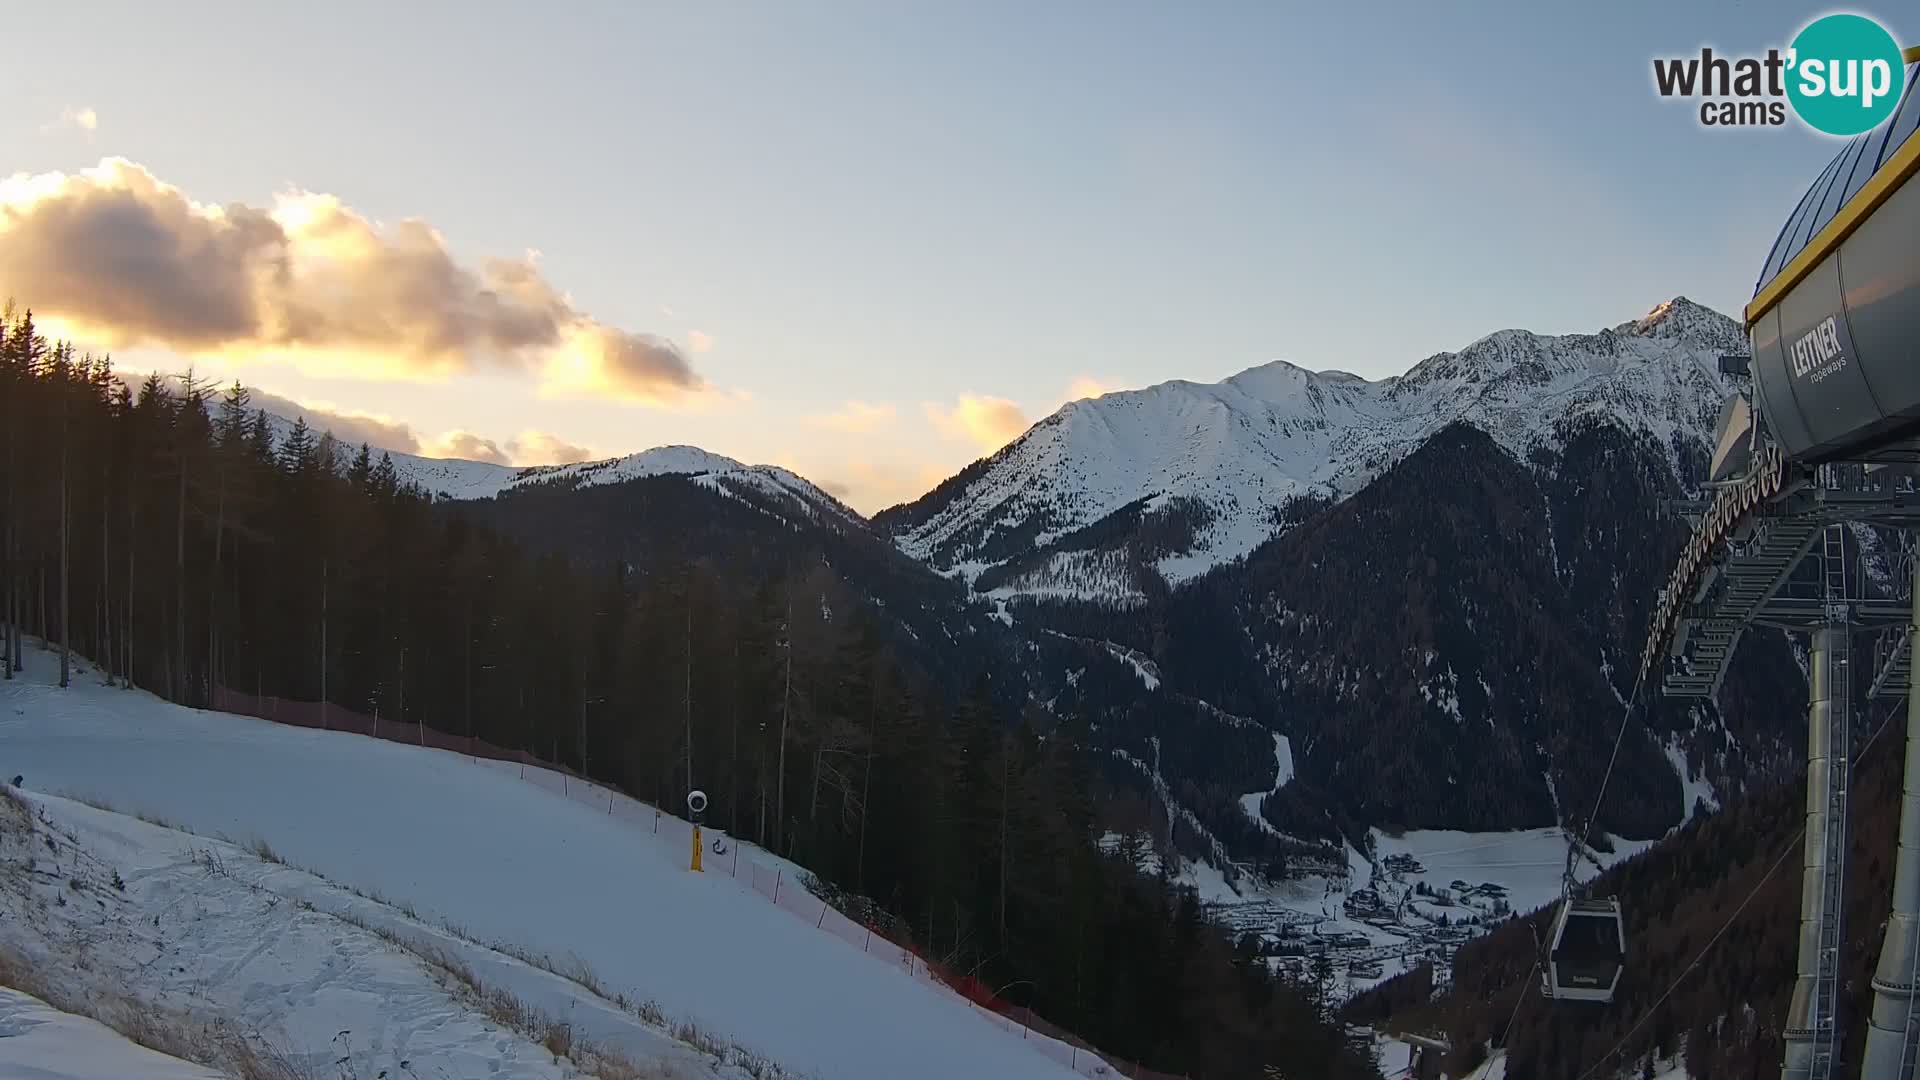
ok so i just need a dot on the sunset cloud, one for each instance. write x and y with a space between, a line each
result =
699 341
854 418
349 426
871 486
542 448
988 422
1087 386
465 445
530 447
127 259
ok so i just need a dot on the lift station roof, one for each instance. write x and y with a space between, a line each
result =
1835 317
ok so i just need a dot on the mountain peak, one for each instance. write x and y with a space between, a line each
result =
1682 319
1219 465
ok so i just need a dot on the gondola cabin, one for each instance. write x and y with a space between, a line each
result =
1588 952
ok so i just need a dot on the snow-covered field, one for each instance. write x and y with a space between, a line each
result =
1528 864
506 861
1524 867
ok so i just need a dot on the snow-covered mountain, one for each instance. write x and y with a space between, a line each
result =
455 479
1207 471
458 478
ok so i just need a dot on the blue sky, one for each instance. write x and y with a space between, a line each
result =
951 214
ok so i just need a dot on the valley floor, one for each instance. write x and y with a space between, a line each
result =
1397 927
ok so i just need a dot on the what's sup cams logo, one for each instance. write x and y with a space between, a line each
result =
1842 75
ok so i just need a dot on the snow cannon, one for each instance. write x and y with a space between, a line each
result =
1835 318
697 808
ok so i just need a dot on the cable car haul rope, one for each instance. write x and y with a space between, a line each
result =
1584 956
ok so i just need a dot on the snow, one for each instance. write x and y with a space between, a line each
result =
1394 1057
456 478
1245 446
1692 787
1212 885
1102 576
479 480
1143 666
1528 864
124 915
1359 870
1283 772
515 862
39 1042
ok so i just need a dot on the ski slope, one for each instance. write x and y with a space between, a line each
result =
213 953
508 861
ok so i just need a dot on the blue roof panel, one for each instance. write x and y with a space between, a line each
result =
1843 178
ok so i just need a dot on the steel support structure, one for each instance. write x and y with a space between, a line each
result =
1812 1045
1893 1031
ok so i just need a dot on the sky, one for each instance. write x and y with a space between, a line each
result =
866 241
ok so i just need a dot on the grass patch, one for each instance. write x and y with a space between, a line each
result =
208 1040
16 814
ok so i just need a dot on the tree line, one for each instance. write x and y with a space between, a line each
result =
184 541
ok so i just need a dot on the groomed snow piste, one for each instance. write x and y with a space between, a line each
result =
508 861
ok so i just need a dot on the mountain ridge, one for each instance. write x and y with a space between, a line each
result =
1231 455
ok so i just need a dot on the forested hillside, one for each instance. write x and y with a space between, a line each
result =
1449 647
1735 874
169 536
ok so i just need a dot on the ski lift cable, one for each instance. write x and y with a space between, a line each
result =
1586 833
1785 850
1525 985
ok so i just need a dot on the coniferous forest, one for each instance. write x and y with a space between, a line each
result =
167 531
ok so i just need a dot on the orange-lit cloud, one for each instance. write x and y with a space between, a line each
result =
465 445
988 422
542 448
1087 386
530 447
699 341
870 486
855 418
127 259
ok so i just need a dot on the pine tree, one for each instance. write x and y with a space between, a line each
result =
296 451
260 437
232 427
326 455
386 480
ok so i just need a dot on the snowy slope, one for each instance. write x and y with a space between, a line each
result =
212 952
456 478
1282 772
40 1042
508 861
1231 454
